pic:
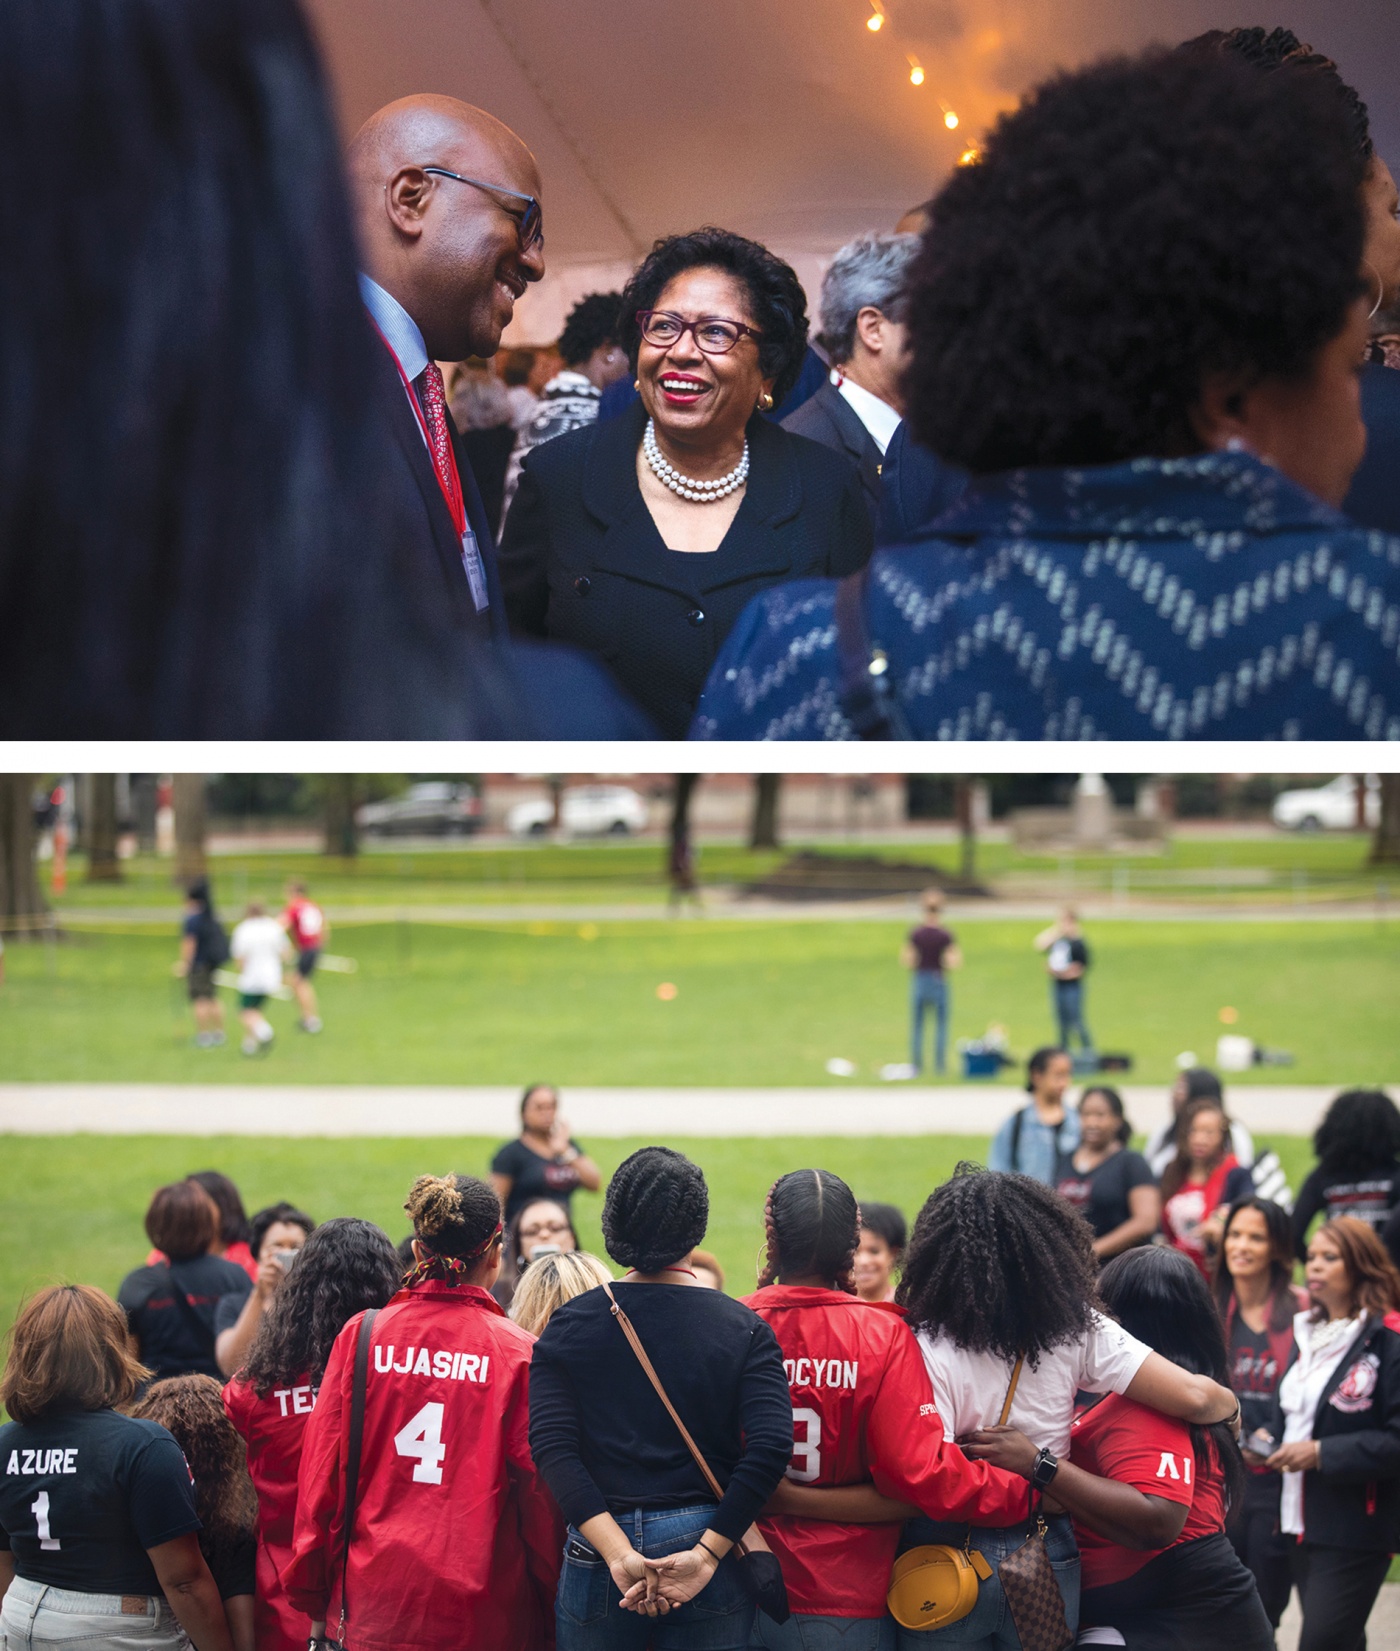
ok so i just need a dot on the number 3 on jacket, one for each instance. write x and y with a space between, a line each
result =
807 1450
422 1437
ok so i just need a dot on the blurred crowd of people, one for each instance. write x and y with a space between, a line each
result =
1078 449
286 1431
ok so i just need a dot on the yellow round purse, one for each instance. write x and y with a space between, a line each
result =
935 1585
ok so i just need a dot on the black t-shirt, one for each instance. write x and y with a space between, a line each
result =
931 941
175 1339
534 1177
85 1493
200 927
1101 1194
233 1563
1254 1376
1065 952
229 1309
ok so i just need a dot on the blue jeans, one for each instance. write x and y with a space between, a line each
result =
588 1616
810 1633
928 991
1067 1004
36 1618
988 1626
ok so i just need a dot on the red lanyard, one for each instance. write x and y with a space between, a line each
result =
451 484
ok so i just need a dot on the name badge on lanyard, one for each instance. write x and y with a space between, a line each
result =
475 570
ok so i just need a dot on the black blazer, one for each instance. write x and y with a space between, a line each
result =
429 554
582 561
829 418
1374 499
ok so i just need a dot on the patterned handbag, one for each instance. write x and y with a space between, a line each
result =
1032 1594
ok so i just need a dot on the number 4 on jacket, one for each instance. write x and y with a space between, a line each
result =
421 1436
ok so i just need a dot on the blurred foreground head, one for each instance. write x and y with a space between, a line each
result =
189 540
1155 256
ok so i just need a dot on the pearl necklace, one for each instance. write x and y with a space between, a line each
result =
686 487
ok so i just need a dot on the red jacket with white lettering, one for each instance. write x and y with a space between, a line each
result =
456 1540
863 1409
273 1427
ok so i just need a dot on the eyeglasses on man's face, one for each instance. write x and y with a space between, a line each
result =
529 224
713 334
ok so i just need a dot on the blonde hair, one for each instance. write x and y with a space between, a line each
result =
548 1283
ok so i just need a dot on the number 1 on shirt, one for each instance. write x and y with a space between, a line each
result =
40 1509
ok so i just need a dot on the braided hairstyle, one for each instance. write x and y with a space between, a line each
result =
1001 1264
655 1210
812 1223
457 1219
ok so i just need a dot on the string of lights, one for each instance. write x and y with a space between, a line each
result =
875 22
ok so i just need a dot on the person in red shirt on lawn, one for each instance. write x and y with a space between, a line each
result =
455 1541
306 923
1149 1494
345 1267
863 1409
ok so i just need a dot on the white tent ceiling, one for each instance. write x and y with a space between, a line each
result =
787 120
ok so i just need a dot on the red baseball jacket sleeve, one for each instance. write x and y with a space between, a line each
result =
320 1483
912 1460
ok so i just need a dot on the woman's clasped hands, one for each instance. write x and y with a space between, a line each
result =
667 1583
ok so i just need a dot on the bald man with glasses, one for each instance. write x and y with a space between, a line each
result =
447 200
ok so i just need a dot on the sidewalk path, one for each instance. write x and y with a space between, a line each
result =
364 1110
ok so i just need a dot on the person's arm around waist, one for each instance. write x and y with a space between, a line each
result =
191 1592
1161 1385
1118 1512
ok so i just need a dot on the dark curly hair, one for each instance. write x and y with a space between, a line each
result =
1131 230
655 1210
454 1215
590 324
812 1225
1359 1130
345 1267
776 297
1158 1295
1270 49
192 1408
265 1219
1001 1264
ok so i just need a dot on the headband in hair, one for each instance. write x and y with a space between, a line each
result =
450 1268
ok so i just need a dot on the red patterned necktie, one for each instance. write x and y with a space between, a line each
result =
433 394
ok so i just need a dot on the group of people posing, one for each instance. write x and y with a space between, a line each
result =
357 1445
1097 402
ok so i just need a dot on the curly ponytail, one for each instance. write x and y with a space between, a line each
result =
812 1222
457 1219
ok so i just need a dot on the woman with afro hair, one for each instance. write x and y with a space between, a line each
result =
1137 321
345 1267
1358 1165
862 1411
645 1531
454 1540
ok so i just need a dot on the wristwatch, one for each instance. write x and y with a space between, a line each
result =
1047 1465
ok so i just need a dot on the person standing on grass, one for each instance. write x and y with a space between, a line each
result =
306 923
930 951
1110 1186
1358 1164
1201 1183
1036 1139
545 1161
203 948
1067 960
99 1534
259 948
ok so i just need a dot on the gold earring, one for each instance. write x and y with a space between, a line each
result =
637 385
765 403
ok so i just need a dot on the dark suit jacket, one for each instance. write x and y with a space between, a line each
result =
1374 500
829 418
430 559
916 487
582 561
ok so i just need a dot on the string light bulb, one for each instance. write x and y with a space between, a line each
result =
916 73
970 157
876 21
950 120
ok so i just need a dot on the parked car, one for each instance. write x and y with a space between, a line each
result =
432 808
588 811
1331 807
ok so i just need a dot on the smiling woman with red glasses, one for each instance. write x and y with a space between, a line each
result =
642 539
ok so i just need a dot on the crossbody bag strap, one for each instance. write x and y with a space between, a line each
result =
1011 1391
358 1383
630 1332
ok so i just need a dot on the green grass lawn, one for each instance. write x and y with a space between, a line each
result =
756 1003
1331 865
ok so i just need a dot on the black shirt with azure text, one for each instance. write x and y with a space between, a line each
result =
85 1493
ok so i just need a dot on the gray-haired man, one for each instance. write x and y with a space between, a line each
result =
862 308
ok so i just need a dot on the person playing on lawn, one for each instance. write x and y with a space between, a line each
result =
306 923
258 947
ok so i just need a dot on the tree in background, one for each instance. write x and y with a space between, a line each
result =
680 858
100 828
1385 844
967 826
340 796
22 908
191 804
764 832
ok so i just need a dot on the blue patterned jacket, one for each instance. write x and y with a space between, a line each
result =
1198 598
